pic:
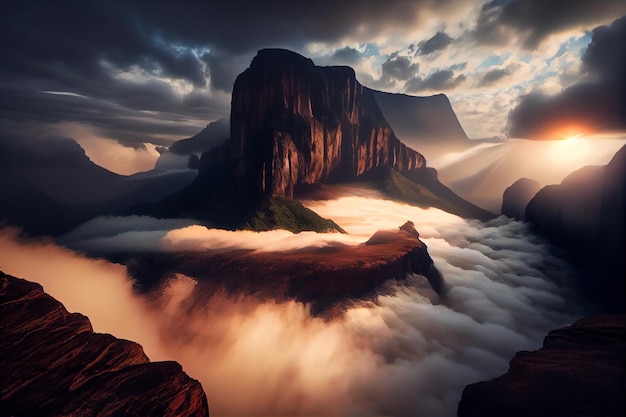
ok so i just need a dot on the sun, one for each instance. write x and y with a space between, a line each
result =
569 131
576 136
568 149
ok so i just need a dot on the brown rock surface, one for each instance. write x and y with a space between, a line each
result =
296 123
53 364
321 276
580 371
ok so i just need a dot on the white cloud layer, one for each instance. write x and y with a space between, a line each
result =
409 353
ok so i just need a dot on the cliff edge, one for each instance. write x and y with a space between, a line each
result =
53 364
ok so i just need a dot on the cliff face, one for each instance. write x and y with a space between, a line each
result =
322 277
53 364
580 371
586 214
295 123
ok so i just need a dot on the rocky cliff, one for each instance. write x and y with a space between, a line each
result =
296 123
516 197
580 371
53 364
586 214
323 277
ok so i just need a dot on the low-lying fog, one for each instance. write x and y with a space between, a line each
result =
482 173
409 354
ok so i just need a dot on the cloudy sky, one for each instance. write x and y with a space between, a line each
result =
129 76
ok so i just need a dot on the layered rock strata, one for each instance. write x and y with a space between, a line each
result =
296 123
320 276
53 364
580 371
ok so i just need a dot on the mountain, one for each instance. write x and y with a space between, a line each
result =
425 123
579 372
516 197
212 135
294 124
50 185
53 364
586 214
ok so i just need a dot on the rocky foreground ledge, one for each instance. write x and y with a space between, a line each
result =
580 371
53 364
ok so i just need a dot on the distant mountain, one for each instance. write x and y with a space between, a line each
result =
425 123
293 124
53 364
212 135
50 185
516 197
586 214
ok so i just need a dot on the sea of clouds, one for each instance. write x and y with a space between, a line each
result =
406 354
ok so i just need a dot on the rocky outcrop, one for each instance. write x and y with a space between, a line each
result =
320 276
586 215
516 197
580 371
296 123
53 364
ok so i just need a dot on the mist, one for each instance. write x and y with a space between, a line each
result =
408 353
482 173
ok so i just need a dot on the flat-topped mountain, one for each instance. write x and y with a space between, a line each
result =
295 124
426 123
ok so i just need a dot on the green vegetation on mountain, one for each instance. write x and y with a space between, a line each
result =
284 213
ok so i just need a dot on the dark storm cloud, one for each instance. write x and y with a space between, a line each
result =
438 42
121 52
347 56
597 104
444 79
32 112
532 21
494 75
223 69
399 68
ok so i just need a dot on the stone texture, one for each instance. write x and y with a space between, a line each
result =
579 372
53 364
296 123
320 276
